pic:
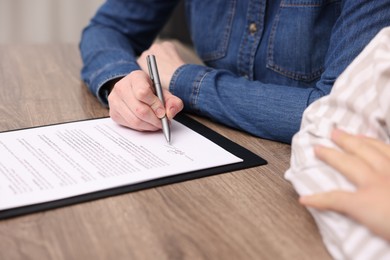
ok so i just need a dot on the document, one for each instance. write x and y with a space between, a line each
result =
54 162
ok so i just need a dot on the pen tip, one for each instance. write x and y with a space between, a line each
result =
168 137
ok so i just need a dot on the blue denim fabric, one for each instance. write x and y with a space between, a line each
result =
266 61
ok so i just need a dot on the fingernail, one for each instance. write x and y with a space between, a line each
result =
172 112
302 199
160 113
317 147
317 150
305 199
336 133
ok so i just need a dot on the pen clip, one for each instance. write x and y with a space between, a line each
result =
150 68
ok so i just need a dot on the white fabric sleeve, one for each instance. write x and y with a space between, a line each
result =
359 103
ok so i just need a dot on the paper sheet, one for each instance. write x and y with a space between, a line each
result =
59 161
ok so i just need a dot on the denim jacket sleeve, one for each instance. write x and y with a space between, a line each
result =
274 111
120 31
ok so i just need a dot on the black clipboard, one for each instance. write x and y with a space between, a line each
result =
249 160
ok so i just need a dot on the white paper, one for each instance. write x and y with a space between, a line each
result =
60 161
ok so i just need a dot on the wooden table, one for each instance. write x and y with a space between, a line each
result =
247 214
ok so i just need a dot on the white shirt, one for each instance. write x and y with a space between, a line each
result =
359 103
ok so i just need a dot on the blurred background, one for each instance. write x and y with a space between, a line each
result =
61 21
44 21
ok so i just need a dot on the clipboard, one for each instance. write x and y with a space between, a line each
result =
249 160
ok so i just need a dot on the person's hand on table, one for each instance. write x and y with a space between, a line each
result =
133 102
366 163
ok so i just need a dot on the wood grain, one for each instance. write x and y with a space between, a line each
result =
247 214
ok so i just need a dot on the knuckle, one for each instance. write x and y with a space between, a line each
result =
119 89
141 111
142 92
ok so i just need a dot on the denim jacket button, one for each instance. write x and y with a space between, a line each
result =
252 28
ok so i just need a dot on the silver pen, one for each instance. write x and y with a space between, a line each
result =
153 73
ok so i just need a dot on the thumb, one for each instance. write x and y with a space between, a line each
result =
173 105
157 107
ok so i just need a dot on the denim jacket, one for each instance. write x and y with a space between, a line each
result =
265 61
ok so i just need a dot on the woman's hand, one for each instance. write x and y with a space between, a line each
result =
366 163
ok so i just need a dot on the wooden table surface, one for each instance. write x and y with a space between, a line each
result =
246 214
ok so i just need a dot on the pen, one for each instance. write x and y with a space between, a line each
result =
153 73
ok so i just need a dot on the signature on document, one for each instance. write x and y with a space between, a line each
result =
176 151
